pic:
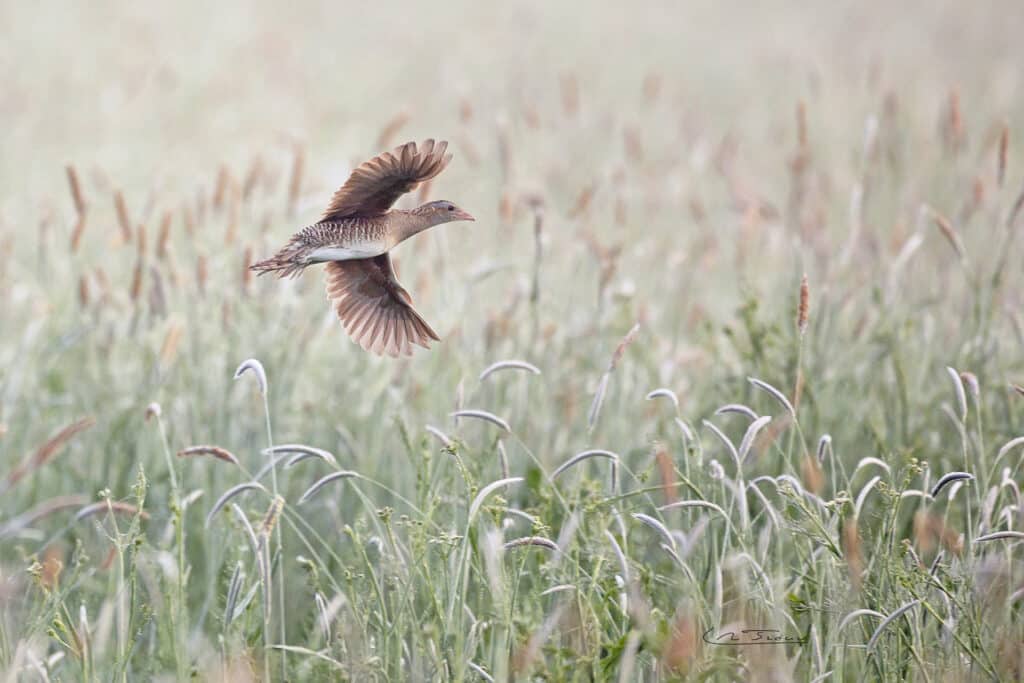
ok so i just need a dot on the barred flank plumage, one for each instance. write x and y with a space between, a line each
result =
288 262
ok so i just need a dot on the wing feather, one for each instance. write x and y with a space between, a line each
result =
374 186
374 308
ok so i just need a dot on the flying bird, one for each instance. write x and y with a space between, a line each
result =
355 237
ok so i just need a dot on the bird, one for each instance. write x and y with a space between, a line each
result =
355 237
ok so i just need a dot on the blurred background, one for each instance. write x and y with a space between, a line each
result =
152 95
677 165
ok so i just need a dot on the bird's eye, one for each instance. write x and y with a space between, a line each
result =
451 208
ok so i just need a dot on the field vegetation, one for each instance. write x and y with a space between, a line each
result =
735 343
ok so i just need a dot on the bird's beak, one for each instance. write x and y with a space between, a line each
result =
461 215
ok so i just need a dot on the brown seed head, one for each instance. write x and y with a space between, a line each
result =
48 450
214 451
164 235
136 288
76 191
804 309
271 516
122 216
83 291
667 471
76 232
852 552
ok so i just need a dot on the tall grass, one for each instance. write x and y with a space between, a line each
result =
709 369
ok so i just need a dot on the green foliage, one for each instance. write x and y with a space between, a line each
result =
693 212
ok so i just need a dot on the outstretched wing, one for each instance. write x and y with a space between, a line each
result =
378 183
375 310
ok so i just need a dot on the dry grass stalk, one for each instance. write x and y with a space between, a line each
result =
140 241
771 433
234 211
169 348
682 647
970 381
201 273
157 298
220 187
607 257
103 282
189 220
811 475
976 200
48 450
76 191
634 147
76 232
270 518
122 216
1018 203
949 233
652 87
798 388
295 180
50 568
852 553
201 206
465 110
505 208
136 288
620 210
583 200
804 309
1004 145
504 151
83 291
390 130
623 345
163 235
214 451
930 530
667 471
246 272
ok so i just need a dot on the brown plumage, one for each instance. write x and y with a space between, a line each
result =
356 234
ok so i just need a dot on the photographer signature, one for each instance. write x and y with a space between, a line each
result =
751 636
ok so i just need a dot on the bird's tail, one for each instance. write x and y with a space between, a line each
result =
288 262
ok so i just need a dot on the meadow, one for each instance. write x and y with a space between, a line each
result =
734 345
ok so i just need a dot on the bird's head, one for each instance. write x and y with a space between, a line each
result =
443 211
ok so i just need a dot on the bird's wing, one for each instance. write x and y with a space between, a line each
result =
376 184
374 308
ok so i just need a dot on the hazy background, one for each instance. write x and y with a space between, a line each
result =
662 142
148 92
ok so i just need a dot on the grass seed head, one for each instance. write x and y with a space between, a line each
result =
804 308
